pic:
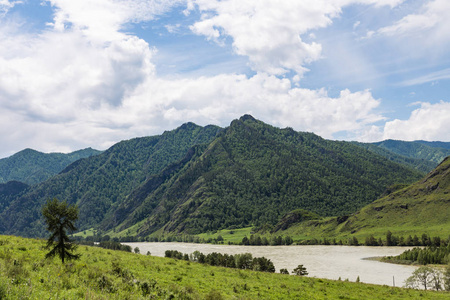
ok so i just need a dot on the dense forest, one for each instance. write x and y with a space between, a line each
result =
32 167
253 174
196 179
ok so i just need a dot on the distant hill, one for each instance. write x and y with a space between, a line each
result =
98 184
444 145
423 207
420 155
32 167
195 179
421 165
9 191
431 151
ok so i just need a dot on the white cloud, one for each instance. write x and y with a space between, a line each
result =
270 32
432 77
222 98
102 19
431 23
6 5
430 122
84 82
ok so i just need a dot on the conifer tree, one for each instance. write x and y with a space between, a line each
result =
59 217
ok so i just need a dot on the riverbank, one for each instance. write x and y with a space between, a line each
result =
108 274
330 262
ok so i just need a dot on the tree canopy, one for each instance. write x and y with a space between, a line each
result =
60 217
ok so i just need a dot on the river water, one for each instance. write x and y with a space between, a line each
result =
331 262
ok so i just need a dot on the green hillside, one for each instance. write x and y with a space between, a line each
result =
445 145
420 164
108 274
430 151
196 179
423 207
10 190
32 167
99 183
252 174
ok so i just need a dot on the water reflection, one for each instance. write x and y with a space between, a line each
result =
332 262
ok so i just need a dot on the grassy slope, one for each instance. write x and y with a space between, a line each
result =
423 207
101 274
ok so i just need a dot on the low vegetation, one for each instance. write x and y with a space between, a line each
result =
423 256
108 274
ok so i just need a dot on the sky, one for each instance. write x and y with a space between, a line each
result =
90 73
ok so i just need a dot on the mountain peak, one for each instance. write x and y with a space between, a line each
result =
247 117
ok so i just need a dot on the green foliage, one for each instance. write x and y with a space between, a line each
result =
421 208
430 255
239 261
59 217
397 155
198 179
100 184
300 270
107 274
425 277
254 174
418 149
32 167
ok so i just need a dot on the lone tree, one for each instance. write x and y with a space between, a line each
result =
59 217
300 271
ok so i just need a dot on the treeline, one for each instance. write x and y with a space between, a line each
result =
423 256
389 240
237 261
130 239
106 245
256 240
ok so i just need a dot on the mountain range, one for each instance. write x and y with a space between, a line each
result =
195 179
31 167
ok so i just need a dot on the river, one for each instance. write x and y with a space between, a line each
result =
331 262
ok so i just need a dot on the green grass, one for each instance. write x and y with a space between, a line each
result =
423 207
107 274
85 233
229 235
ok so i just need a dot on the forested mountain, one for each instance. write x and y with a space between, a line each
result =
445 145
420 164
32 167
431 151
10 190
99 183
254 173
420 207
194 179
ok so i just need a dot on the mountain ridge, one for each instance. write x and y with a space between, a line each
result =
32 167
195 179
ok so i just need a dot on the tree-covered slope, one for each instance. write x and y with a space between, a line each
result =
420 164
9 191
420 149
254 173
423 207
436 144
195 179
99 183
32 167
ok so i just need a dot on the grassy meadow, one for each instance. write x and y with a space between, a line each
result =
108 274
